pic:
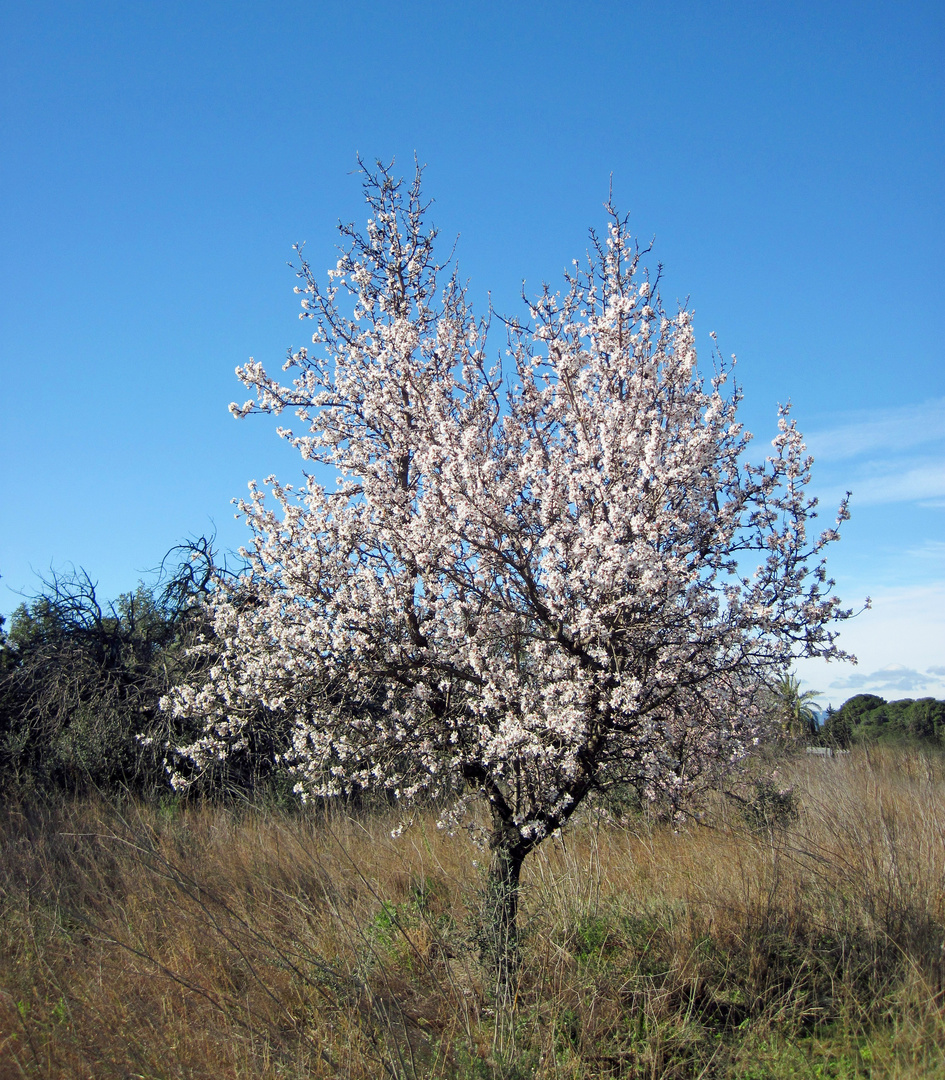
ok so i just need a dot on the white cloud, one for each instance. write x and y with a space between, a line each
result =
884 456
909 482
882 429
899 642
894 679
929 549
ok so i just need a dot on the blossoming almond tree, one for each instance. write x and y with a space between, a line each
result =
528 583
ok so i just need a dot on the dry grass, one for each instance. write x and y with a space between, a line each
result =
203 942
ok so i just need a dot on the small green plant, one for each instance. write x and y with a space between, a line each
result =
60 1011
383 928
568 1029
592 935
770 806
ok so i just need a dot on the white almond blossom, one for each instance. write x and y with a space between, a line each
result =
535 578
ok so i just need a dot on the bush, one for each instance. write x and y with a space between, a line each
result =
81 682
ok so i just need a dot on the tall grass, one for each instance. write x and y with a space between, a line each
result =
800 935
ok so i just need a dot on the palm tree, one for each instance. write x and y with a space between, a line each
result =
792 708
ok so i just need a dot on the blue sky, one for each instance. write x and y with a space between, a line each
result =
157 162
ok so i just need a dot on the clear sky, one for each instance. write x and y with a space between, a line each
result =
158 160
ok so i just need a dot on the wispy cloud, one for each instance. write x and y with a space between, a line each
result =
930 549
911 481
893 430
886 455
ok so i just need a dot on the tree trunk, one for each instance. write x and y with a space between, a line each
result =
501 914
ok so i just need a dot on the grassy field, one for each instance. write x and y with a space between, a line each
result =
797 937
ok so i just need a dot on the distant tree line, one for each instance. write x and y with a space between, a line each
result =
81 681
868 718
